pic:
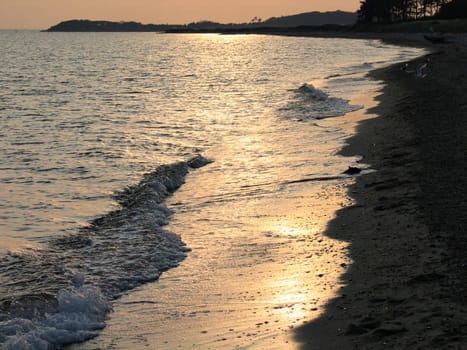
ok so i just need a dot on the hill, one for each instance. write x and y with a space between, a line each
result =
81 25
312 19
315 19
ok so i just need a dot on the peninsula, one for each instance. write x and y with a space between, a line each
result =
334 20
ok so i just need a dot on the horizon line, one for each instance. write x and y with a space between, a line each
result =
175 24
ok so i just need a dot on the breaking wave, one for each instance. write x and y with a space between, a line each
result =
65 291
310 103
310 91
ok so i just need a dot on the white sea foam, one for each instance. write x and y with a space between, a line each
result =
311 103
81 313
118 252
313 92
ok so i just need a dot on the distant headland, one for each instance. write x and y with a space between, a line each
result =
323 20
337 23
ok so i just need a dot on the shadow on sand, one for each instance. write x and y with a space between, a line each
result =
406 286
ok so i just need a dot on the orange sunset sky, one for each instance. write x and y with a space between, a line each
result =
41 14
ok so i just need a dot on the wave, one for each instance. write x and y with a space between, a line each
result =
62 294
313 92
311 103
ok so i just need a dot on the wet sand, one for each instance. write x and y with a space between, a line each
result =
405 236
235 293
406 287
260 265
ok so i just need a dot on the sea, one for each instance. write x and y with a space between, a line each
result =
173 190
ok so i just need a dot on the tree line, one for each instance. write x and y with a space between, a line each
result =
388 11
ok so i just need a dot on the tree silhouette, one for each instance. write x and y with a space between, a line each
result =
388 11
453 9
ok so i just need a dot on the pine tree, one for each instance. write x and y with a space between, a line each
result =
387 11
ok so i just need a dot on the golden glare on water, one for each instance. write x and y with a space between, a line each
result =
254 221
227 38
16 246
260 264
288 304
266 269
285 228
263 274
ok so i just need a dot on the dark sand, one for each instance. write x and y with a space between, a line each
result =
407 286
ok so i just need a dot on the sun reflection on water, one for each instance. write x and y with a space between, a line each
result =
286 230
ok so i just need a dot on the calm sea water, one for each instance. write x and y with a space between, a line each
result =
98 129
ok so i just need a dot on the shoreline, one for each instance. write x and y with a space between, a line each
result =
388 200
405 288
202 331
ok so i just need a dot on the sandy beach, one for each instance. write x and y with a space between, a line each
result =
276 245
406 286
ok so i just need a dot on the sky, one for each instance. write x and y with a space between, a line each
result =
41 14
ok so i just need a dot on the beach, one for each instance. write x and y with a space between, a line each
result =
275 244
406 286
397 291
99 165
